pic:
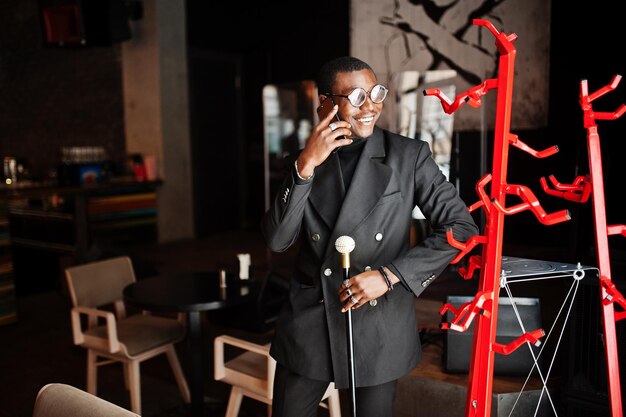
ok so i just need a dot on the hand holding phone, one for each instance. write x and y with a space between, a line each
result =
325 108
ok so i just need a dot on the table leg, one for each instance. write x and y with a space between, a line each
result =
196 368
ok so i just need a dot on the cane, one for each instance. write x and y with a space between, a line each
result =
345 245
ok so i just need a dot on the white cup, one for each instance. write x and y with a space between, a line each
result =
244 265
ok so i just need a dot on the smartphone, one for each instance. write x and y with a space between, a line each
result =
325 108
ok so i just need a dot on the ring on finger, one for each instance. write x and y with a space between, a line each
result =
346 283
333 126
348 291
354 300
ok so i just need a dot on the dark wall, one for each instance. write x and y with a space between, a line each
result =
53 97
285 41
275 42
589 45
585 44
72 96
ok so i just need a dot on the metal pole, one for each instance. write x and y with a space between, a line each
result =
350 345
345 245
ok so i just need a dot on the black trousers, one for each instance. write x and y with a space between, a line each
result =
298 396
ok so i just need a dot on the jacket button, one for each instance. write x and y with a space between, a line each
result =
379 237
428 280
328 272
373 303
315 237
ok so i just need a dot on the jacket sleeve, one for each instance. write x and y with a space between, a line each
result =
440 203
281 224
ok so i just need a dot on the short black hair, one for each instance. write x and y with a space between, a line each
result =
327 72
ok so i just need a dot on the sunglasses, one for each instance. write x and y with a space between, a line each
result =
358 96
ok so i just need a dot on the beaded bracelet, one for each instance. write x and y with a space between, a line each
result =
295 164
386 277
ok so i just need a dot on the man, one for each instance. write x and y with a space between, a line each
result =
364 186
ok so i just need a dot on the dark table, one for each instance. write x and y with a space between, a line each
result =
192 293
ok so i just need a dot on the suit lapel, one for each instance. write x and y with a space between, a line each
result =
369 182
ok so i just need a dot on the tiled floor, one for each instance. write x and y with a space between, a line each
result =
38 348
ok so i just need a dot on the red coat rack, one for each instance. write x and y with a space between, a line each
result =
579 191
484 307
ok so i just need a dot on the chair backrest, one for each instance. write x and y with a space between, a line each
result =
251 369
61 400
99 283
253 373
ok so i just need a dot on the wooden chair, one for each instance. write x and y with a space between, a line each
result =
129 339
251 374
61 400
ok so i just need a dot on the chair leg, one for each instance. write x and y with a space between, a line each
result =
126 376
334 407
234 402
134 385
92 372
178 373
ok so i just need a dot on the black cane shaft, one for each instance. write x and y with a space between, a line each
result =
351 363
350 345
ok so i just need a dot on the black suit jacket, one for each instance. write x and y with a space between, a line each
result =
392 176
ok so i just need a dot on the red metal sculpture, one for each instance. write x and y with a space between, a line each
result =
484 307
579 191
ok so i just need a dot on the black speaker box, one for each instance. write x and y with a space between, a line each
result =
458 345
84 22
